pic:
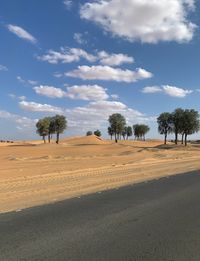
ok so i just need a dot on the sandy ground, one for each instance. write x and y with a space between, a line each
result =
32 173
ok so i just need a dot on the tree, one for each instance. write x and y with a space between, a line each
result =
165 124
43 128
129 132
110 132
177 118
51 127
140 130
59 124
89 133
117 124
124 133
97 133
190 123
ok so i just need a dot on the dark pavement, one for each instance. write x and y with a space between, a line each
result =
153 221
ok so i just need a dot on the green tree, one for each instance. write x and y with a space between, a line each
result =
110 132
59 124
124 133
140 130
89 133
97 133
117 123
165 124
129 132
51 127
177 118
190 123
43 128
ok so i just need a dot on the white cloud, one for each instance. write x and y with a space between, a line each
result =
21 33
69 55
3 68
109 74
37 107
68 4
87 92
114 59
31 82
22 98
169 90
95 115
114 96
147 21
175 91
78 37
57 74
50 91
152 89
22 122
66 55
76 92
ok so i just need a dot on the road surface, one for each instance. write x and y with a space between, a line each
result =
153 221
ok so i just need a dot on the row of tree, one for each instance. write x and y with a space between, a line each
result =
48 126
119 129
180 122
96 132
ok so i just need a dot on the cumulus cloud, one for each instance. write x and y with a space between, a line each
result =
21 33
76 92
69 55
147 21
96 114
172 91
87 92
114 59
109 74
37 107
3 68
152 89
66 55
50 91
22 122
175 91
31 82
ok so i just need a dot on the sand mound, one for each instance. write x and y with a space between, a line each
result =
84 140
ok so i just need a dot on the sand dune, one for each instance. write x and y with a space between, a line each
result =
33 173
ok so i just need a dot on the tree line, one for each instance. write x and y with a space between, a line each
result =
118 128
180 122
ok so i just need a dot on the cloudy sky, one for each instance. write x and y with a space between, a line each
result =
89 59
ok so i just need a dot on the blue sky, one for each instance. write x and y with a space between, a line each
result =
89 59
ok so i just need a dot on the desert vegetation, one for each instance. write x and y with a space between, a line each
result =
180 122
51 125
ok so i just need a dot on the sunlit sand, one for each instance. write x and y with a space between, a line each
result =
33 173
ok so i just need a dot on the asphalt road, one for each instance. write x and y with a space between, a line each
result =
153 221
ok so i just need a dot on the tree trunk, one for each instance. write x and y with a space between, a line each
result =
165 139
111 137
185 139
57 139
115 137
49 138
44 139
182 138
176 138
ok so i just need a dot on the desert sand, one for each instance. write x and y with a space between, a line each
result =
33 173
